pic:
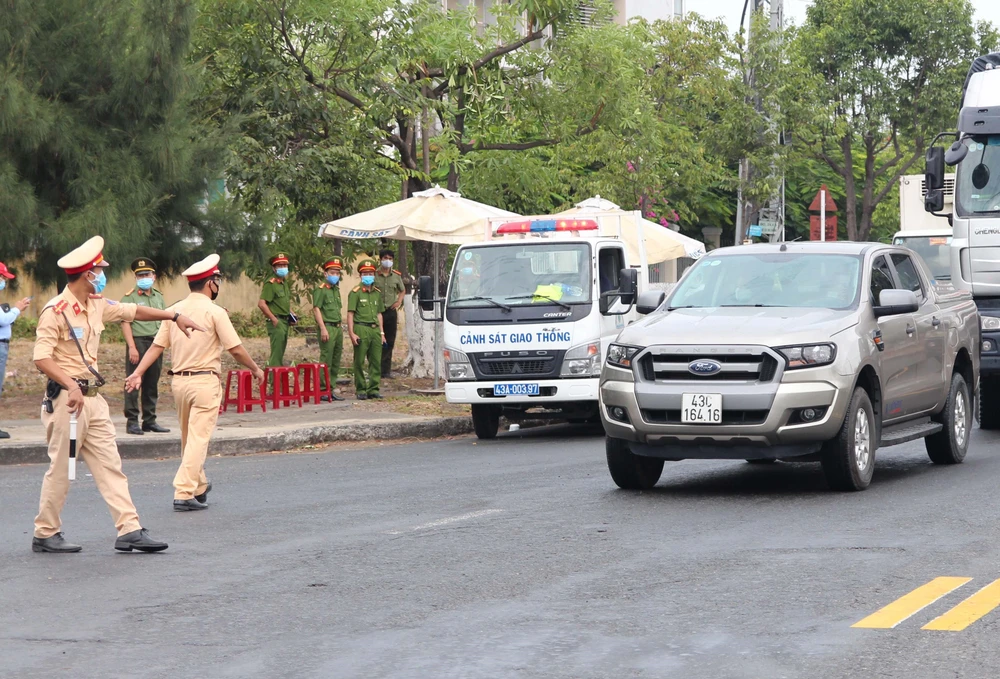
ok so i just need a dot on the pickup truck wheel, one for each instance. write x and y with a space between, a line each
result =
989 403
486 421
631 471
950 445
849 459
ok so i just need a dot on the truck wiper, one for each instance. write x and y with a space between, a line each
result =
480 298
753 306
986 212
554 301
683 306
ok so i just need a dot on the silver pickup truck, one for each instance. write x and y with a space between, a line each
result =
798 351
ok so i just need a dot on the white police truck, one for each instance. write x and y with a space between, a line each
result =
529 316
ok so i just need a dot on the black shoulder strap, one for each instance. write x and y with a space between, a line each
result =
99 381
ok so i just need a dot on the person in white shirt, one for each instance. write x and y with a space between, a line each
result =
8 315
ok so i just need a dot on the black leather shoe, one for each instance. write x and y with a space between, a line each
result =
362 397
334 397
203 498
56 545
138 540
5 435
189 505
133 428
155 428
376 395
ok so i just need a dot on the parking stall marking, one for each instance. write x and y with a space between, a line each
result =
969 611
910 604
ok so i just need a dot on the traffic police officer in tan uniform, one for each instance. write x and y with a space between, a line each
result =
195 366
66 349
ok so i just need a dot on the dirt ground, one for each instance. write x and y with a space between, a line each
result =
24 385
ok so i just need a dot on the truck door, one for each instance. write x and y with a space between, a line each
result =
610 262
899 358
930 334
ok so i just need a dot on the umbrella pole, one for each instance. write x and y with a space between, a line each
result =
437 326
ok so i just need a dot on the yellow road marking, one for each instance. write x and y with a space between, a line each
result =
912 603
970 610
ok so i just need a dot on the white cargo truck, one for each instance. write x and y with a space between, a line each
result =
926 234
530 313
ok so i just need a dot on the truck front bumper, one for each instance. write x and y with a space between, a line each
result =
551 391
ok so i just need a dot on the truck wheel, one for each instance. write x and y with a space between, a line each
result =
849 458
989 403
950 445
628 470
486 421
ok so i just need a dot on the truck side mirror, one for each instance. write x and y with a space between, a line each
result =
934 201
650 301
628 286
425 293
934 169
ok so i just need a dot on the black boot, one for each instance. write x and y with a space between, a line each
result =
133 428
4 435
203 498
155 428
55 544
189 505
140 541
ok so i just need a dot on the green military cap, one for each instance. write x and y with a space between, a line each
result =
366 266
334 263
143 264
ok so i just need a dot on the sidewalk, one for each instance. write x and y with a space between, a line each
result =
253 432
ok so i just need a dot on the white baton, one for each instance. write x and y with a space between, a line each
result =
72 446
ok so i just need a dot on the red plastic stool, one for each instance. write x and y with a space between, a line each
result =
285 388
244 399
309 374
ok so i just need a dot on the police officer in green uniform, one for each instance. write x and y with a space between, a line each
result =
364 325
326 309
276 303
138 339
390 282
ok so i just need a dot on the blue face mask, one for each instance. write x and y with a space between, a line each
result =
368 280
281 271
332 280
3 283
144 283
99 283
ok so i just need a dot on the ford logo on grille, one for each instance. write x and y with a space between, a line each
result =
704 367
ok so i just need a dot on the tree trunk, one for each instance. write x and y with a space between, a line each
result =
850 189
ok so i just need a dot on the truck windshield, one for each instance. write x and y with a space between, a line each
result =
977 184
769 280
935 250
520 275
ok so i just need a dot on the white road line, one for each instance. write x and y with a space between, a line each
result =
449 520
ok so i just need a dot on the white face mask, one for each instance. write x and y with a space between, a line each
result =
3 283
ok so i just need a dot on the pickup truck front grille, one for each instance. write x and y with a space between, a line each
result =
735 367
728 416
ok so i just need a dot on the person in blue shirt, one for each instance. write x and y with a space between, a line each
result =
7 317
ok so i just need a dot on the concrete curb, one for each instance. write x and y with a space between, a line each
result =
149 449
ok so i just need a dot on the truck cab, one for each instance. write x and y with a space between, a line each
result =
528 318
926 234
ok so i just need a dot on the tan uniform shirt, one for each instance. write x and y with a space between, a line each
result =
53 338
202 350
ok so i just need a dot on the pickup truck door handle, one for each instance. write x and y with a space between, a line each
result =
936 321
910 329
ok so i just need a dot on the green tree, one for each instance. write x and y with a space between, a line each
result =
885 77
97 135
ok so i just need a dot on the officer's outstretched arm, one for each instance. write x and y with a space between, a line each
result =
145 313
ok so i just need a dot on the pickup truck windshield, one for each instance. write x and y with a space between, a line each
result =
769 280
977 184
934 250
520 275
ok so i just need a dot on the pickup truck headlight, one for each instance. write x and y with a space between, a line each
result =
989 322
620 355
582 361
458 368
809 356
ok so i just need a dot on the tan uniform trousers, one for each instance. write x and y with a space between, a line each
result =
95 445
197 399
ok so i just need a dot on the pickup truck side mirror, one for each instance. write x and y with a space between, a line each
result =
650 301
425 293
895 302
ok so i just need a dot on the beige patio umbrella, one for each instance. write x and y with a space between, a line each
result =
662 244
436 216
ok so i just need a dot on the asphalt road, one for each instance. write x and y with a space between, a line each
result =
511 558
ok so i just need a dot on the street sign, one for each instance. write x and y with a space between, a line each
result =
768 226
755 230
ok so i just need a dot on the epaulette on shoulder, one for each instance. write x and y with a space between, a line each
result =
398 273
357 288
375 287
274 280
130 292
61 306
